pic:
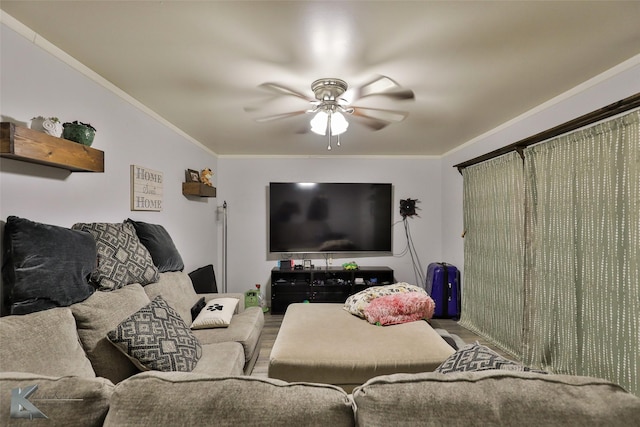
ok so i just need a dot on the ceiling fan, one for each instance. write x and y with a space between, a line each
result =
329 105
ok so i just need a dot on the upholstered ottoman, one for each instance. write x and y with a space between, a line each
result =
323 343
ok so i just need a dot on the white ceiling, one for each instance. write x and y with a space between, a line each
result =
473 65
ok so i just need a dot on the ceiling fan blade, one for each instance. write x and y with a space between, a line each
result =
251 109
284 90
383 86
373 124
399 94
389 116
280 116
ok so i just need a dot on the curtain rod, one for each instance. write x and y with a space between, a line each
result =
605 112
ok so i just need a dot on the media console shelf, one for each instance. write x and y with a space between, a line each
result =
31 146
333 284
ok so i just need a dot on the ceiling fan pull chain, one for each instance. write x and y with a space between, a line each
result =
338 140
329 130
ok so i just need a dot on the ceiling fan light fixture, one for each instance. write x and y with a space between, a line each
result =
338 124
335 122
319 123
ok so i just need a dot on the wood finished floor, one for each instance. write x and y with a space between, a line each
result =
273 321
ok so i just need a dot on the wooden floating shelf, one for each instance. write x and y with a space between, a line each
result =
198 189
31 146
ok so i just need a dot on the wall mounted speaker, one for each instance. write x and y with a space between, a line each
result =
408 207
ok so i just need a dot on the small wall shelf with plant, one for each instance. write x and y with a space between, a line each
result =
32 146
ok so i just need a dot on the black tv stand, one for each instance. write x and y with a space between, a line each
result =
332 284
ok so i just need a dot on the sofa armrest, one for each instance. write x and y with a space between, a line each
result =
239 296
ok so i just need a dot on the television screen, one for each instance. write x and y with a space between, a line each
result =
330 217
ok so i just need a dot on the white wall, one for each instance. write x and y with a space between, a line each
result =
618 83
34 82
243 184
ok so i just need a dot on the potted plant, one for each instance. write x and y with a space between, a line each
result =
76 131
48 125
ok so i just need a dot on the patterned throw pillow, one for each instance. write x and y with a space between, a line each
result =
122 259
399 308
356 303
156 338
477 357
216 314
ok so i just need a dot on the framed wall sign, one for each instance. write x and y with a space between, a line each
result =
146 189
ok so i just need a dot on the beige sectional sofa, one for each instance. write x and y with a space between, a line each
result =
57 367
82 381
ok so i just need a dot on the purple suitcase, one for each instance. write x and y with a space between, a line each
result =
443 285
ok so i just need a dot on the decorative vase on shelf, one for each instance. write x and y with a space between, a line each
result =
82 133
48 125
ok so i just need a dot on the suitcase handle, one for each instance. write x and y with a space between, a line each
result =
449 289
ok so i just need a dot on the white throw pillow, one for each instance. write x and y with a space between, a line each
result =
216 314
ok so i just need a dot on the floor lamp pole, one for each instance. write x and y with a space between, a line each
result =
224 247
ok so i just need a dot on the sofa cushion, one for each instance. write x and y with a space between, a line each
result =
399 308
45 343
177 290
156 338
245 328
217 313
222 359
64 400
477 357
157 240
356 303
494 397
228 401
99 314
122 259
45 265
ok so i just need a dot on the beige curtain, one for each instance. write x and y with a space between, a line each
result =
582 286
492 295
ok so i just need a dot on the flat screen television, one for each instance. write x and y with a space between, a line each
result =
330 217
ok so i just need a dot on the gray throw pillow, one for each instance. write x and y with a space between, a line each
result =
156 338
122 259
157 240
45 266
477 357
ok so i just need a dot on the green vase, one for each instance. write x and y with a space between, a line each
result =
78 133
